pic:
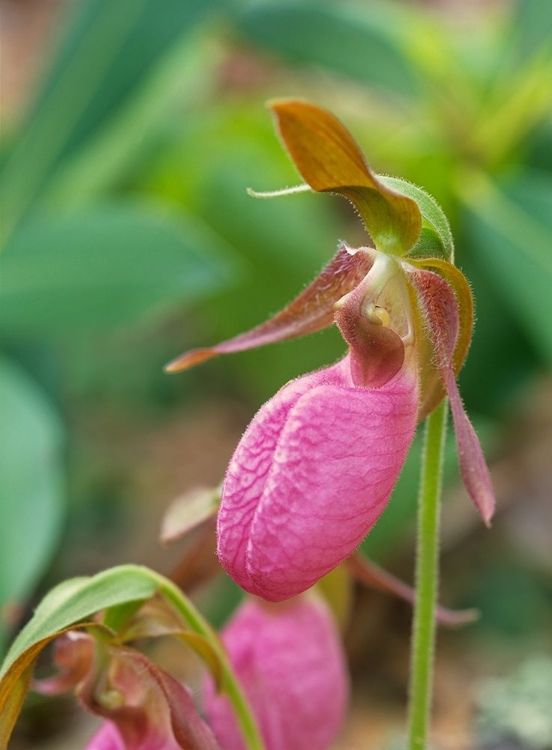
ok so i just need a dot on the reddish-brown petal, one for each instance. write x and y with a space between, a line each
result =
441 310
370 574
148 706
15 681
73 656
330 160
311 311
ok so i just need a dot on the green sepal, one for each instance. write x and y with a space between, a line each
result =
435 240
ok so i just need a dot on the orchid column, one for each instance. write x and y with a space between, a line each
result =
318 463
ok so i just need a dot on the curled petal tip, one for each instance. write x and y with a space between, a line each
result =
279 193
488 512
456 618
189 359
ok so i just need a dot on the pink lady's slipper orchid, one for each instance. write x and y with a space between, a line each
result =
289 660
143 706
318 463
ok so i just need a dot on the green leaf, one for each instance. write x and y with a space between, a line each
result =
436 237
510 228
108 49
172 89
80 598
62 609
364 44
104 267
531 24
74 602
31 483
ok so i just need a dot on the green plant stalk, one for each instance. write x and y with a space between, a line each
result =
198 624
427 579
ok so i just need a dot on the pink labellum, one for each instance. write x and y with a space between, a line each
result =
310 477
440 307
290 662
311 311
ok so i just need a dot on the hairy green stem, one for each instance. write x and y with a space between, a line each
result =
427 579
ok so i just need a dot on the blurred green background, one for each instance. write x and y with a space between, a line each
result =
131 130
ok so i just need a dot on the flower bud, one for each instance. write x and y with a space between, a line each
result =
289 660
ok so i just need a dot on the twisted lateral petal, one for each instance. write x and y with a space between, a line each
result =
311 311
439 304
432 390
289 660
311 476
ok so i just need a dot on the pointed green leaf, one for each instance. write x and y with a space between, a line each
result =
80 598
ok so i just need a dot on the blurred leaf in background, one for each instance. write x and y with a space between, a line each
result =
105 267
31 487
510 229
109 51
